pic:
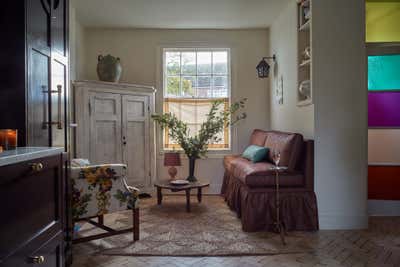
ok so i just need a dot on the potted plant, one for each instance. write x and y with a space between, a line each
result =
196 146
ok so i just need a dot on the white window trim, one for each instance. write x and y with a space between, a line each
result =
212 153
160 60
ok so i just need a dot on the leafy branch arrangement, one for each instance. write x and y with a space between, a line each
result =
197 146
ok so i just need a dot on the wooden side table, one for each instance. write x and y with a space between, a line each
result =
176 188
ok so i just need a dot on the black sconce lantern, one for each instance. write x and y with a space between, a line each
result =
263 67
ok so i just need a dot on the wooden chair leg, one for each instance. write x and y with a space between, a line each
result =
135 214
100 219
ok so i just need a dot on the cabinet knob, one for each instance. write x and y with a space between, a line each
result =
36 167
37 259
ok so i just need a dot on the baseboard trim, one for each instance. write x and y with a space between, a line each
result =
383 207
342 222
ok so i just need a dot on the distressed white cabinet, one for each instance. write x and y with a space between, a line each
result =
114 126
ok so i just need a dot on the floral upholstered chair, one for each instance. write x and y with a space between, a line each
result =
101 189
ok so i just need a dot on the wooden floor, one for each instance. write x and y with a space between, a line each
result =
378 246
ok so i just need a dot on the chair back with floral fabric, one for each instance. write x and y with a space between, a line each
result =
100 189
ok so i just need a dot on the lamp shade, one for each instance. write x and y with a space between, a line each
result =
263 69
172 159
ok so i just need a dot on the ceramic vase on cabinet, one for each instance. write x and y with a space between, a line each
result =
109 68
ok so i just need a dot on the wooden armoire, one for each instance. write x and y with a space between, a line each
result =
34 71
114 125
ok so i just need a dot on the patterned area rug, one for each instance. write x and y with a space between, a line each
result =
211 229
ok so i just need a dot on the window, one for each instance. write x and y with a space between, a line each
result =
193 79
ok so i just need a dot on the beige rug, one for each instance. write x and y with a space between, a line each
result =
211 229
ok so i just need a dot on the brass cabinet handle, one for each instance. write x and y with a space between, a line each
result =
45 113
59 108
37 259
59 91
36 167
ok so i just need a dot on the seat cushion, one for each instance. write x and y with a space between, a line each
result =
260 174
288 144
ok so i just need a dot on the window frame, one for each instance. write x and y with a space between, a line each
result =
228 130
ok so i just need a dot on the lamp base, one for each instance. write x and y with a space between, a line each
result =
172 171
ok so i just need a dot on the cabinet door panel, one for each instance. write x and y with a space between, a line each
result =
136 139
58 105
105 128
58 27
51 252
38 108
36 201
38 22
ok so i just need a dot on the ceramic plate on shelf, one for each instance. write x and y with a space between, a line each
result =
180 182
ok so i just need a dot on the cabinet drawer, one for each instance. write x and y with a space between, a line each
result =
31 201
37 253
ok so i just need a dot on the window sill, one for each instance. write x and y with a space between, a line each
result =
213 154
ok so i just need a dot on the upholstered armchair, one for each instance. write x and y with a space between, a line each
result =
98 190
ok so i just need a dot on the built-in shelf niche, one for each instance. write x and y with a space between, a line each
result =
304 97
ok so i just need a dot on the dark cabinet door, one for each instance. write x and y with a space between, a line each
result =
47 35
38 72
33 202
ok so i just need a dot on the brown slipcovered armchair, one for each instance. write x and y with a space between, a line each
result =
249 188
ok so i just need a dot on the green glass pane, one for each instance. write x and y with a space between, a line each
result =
384 73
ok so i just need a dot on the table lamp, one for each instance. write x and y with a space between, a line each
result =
172 159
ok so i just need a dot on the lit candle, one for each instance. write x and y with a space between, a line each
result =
8 139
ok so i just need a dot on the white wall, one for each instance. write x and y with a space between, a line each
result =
76 61
139 50
340 97
288 116
77 47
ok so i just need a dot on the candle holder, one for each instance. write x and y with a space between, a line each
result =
279 225
8 139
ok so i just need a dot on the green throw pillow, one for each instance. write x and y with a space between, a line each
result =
255 153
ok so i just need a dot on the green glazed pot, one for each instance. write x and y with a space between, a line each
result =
109 68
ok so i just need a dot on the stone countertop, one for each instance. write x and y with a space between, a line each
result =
21 154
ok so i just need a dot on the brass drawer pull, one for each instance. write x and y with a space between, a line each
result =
36 167
37 259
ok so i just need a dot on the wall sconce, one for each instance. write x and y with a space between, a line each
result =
263 67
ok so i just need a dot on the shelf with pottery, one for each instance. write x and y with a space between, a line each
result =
305 63
305 26
304 56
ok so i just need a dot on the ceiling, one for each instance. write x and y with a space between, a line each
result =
178 14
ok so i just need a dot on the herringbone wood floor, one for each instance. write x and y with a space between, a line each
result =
378 246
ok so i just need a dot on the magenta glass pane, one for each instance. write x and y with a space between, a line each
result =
384 109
